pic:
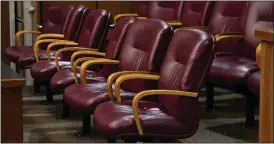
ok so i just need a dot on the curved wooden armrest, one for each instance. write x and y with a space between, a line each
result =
192 27
115 19
258 55
123 78
67 49
86 64
174 23
115 75
220 37
75 64
18 37
49 35
57 43
36 46
142 94
92 52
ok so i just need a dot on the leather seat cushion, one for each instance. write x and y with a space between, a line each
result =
65 78
45 69
28 59
254 83
13 53
231 70
113 119
87 97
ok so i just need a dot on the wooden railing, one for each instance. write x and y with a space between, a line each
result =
266 112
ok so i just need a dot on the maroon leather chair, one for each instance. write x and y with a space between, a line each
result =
93 28
231 70
182 75
142 50
54 21
66 76
71 33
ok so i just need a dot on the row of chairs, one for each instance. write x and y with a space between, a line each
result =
141 49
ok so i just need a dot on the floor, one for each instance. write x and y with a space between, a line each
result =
41 125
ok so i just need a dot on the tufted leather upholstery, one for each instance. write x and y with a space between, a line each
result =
234 69
143 49
54 21
70 32
195 13
185 66
253 83
92 30
65 77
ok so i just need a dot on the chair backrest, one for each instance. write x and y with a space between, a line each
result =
114 43
95 25
260 16
165 10
185 67
55 18
196 13
228 17
143 49
74 22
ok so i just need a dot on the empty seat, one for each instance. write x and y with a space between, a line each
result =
54 22
182 74
143 50
93 28
232 69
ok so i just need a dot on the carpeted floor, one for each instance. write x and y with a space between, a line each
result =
41 125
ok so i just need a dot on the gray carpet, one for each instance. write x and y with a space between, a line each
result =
41 125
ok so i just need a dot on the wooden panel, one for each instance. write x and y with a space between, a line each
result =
118 7
11 105
5 29
266 112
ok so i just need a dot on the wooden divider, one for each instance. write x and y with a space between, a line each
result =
266 112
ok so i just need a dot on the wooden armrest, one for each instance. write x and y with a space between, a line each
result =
91 52
75 64
36 46
258 55
123 78
18 37
220 37
142 94
174 23
57 43
115 19
49 35
86 64
115 75
67 49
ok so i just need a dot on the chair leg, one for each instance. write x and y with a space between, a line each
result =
49 95
17 69
210 96
66 110
86 124
250 110
36 86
